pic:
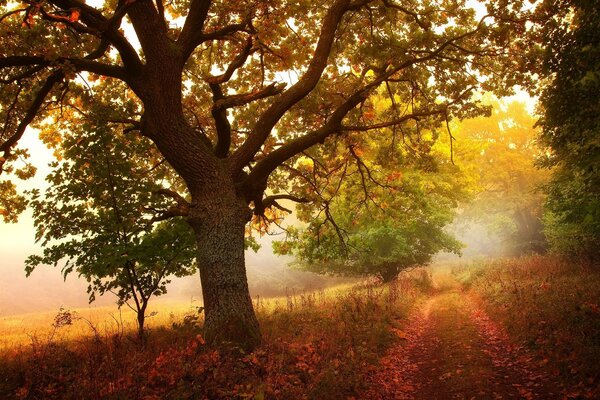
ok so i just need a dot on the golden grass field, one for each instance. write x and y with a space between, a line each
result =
20 330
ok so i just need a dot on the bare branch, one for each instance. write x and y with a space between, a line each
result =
242 99
237 63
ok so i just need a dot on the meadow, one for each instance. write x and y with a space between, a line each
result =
314 344
346 342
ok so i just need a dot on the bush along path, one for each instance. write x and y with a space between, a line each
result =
450 349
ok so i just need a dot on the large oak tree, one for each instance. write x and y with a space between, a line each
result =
231 93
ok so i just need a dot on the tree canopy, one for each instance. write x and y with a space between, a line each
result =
232 94
97 217
501 152
569 63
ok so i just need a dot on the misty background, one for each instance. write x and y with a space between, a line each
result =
269 275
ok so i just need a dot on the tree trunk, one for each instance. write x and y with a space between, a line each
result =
388 273
218 214
220 230
141 318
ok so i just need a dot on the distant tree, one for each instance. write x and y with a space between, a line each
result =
380 206
501 151
569 65
99 217
209 84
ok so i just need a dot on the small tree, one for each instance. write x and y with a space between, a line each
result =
382 210
98 216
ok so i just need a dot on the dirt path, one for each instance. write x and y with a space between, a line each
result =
450 349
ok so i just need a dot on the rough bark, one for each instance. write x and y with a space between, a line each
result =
389 273
219 226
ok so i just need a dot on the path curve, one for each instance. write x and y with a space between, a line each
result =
450 349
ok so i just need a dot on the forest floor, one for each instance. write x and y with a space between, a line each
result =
450 349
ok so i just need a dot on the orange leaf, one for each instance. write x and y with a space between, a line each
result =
74 15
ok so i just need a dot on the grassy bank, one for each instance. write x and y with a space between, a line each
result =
314 344
552 306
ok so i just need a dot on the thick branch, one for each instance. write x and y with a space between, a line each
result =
297 92
246 98
237 63
151 32
221 123
21 61
106 28
268 164
81 64
193 26
260 205
268 201
35 106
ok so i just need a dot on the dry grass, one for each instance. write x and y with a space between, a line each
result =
314 344
551 305
20 330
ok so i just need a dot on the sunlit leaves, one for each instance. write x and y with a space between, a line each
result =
500 152
97 214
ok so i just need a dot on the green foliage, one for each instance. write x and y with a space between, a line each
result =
572 214
98 216
384 210
12 203
571 123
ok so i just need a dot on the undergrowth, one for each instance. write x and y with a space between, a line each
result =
314 344
550 305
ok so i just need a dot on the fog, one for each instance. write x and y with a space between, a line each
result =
45 290
477 239
268 274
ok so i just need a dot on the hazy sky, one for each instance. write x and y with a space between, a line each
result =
45 289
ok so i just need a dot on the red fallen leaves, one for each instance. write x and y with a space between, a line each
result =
419 368
394 377
172 364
